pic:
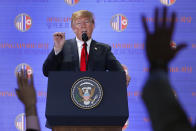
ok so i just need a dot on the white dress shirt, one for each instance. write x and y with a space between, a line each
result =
79 45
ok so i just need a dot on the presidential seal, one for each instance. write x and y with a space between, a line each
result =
86 93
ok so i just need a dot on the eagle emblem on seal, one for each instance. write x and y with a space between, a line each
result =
86 93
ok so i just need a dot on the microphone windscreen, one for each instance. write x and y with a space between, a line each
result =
84 37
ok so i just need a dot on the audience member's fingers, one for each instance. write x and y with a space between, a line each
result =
145 25
156 22
19 81
24 78
164 17
22 73
31 80
18 93
172 26
180 47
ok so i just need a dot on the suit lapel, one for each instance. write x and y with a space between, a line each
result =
92 54
75 54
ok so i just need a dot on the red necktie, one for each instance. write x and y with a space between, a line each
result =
82 60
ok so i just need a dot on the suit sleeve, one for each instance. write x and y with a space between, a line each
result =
165 112
52 63
112 64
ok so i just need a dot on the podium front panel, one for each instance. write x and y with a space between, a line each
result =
111 111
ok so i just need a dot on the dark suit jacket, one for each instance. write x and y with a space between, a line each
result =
100 58
165 112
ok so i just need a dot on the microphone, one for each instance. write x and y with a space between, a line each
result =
85 38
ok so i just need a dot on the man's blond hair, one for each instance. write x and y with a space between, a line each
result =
82 14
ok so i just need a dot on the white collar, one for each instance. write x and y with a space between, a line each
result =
80 43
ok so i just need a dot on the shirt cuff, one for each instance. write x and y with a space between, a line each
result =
32 123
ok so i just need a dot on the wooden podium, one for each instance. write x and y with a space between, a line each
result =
64 115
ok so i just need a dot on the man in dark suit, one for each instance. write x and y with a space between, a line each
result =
81 53
165 112
70 54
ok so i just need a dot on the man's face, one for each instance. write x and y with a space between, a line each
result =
82 25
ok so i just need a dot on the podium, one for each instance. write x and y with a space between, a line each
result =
63 114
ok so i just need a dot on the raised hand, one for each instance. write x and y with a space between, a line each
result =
158 48
26 92
59 40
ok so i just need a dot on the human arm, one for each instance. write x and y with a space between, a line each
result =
165 112
55 57
27 95
112 64
52 63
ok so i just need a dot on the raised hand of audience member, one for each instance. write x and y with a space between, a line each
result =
158 43
26 92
